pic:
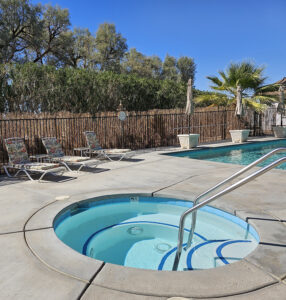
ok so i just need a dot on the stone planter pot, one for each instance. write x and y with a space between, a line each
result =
279 131
239 136
188 141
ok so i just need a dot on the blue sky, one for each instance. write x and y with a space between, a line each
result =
213 32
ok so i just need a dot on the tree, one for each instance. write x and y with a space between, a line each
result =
246 75
77 49
156 65
51 28
18 21
187 68
111 47
170 70
137 63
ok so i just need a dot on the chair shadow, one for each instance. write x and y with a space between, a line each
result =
4 180
128 159
54 178
22 178
90 170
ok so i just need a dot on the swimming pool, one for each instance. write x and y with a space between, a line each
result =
142 232
242 154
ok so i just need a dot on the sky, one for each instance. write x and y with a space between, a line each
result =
213 32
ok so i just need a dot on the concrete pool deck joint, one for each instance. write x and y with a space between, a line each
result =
240 277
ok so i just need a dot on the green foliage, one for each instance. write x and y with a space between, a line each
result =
212 99
54 24
35 88
47 66
187 68
246 75
77 50
111 47
18 22
170 70
145 66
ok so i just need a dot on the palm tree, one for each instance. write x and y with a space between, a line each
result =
244 77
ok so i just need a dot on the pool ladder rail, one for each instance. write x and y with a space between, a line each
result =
193 210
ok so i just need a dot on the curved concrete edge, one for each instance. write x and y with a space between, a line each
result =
236 278
24 277
44 218
55 254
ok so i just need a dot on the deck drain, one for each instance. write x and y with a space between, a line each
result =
163 247
135 230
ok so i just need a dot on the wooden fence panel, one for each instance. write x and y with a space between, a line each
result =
139 130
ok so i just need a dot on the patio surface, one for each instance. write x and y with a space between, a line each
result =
34 264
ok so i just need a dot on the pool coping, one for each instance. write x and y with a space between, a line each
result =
207 146
227 280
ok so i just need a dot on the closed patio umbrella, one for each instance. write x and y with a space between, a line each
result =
239 111
190 103
282 98
281 105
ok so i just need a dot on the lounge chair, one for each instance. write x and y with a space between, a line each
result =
95 148
56 154
19 160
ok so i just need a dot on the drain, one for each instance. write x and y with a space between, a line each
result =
135 230
91 252
163 247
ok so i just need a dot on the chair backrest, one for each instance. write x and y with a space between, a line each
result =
17 151
53 147
92 141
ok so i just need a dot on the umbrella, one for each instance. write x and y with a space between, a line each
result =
239 107
190 103
281 98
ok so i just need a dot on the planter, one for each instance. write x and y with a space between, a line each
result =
239 136
279 131
188 141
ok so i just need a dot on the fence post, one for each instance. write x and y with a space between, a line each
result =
254 123
56 132
224 124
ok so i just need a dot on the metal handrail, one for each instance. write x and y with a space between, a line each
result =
220 184
219 194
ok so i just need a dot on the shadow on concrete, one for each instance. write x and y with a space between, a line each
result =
90 170
4 181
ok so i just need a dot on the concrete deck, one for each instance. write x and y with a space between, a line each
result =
35 264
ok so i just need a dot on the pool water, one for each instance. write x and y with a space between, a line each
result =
242 154
142 232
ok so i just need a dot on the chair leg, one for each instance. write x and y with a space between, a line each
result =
107 156
65 164
41 177
123 156
81 166
7 172
27 173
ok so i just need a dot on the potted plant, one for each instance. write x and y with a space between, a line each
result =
188 141
239 135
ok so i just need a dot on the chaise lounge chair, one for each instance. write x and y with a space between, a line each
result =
19 160
95 148
56 154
